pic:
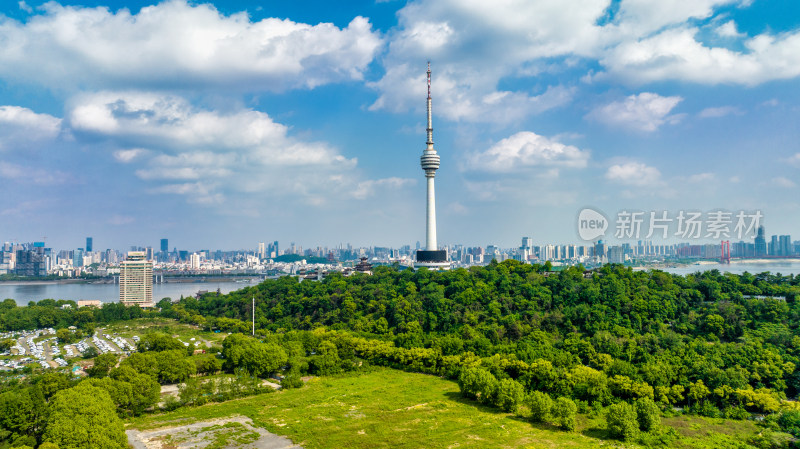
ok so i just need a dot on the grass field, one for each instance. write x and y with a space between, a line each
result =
387 408
141 326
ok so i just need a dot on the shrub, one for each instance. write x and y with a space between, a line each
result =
622 421
477 383
648 414
292 380
540 404
565 412
508 395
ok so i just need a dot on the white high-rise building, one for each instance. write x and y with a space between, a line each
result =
136 280
194 261
431 256
262 250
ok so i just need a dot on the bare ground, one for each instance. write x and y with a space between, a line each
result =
200 435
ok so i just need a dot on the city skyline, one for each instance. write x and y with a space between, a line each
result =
224 124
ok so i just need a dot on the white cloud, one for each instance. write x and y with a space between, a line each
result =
526 149
634 174
476 45
701 177
129 155
119 220
728 29
24 6
643 112
403 87
473 45
643 17
210 152
370 187
21 127
676 54
787 183
176 45
32 175
721 111
794 160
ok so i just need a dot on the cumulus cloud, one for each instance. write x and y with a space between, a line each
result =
643 112
794 160
176 45
525 150
476 45
634 174
204 153
642 17
403 87
22 127
677 54
473 45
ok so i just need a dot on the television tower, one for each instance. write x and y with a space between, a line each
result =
431 256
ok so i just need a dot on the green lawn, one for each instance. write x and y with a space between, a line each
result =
389 408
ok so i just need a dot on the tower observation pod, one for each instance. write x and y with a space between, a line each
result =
431 256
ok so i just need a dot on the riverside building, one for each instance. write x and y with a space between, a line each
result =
136 280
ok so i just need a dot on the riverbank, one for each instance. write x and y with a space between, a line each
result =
25 292
166 280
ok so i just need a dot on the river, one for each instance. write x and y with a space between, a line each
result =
752 266
24 292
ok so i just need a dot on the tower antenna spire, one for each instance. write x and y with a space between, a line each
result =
430 114
429 80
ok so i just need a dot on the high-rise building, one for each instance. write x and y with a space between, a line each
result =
431 256
136 280
88 244
262 250
164 245
194 261
616 254
31 262
785 245
600 249
761 242
527 242
77 258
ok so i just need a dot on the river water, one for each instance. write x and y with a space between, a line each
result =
24 292
752 266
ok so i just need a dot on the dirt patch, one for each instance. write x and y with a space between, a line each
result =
228 433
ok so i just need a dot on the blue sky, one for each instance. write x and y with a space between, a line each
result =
219 125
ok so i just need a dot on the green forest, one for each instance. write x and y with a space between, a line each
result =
630 345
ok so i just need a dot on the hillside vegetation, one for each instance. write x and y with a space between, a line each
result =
633 352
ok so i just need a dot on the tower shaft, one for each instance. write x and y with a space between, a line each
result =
430 242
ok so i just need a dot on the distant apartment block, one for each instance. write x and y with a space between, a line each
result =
136 280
